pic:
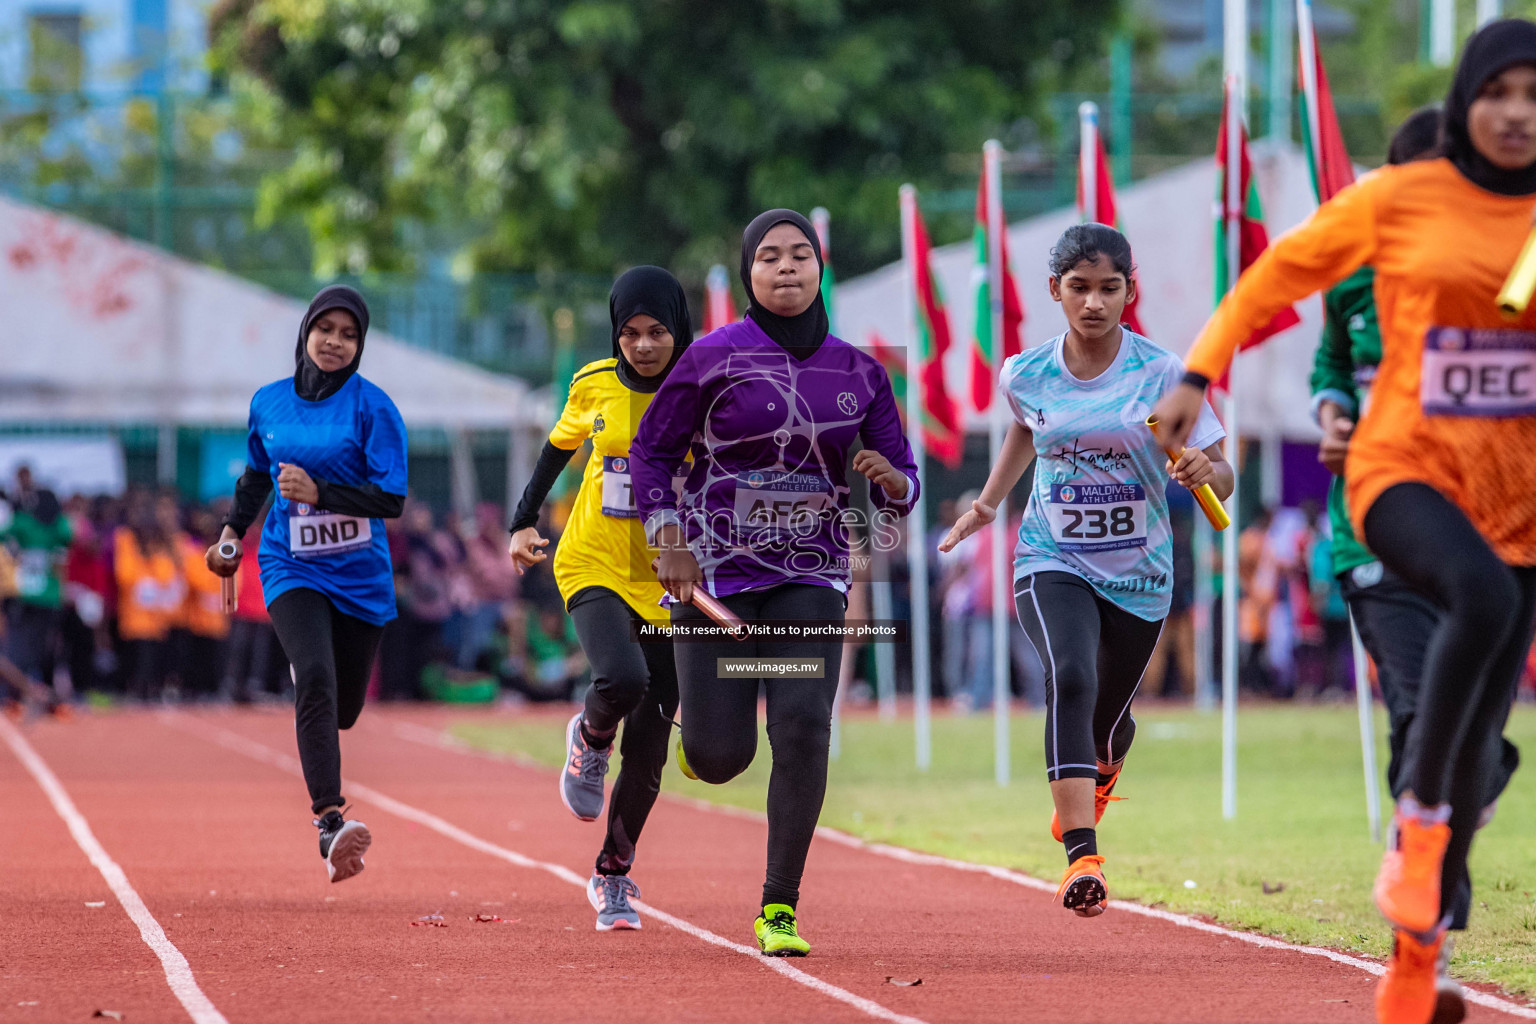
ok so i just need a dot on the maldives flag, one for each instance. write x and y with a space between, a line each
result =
1326 156
1096 191
1253 239
941 420
983 377
719 307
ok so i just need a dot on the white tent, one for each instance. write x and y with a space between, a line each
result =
1169 220
100 329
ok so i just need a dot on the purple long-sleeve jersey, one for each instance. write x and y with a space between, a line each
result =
766 501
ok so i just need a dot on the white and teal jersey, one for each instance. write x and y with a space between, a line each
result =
1098 508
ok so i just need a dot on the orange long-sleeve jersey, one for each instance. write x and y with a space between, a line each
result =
1454 400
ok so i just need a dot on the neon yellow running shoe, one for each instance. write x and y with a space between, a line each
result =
682 761
776 934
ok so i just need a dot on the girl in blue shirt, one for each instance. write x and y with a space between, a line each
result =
333 445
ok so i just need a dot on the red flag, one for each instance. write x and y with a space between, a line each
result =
1252 238
1096 192
941 420
719 307
983 383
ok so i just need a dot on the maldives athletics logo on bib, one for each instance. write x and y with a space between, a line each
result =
1066 493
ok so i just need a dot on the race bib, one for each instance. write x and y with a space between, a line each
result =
618 491
316 533
781 501
1098 517
1478 372
32 573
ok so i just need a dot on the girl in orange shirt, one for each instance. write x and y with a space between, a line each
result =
151 590
1441 482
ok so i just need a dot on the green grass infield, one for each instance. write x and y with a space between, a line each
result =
1297 862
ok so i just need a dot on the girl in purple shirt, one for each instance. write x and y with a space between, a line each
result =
770 409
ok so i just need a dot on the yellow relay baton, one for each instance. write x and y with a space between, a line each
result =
1209 503
1515 296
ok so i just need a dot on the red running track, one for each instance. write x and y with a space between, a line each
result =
201 812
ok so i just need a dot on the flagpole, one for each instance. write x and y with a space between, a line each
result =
1442 32
992 172
917 540
1236 64
1087 153
1307 43
821 221
1488 10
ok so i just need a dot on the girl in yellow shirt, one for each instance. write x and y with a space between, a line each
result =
603 570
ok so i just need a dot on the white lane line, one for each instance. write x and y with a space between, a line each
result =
178 973
257 751
442 740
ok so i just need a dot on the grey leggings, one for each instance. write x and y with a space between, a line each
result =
1094 654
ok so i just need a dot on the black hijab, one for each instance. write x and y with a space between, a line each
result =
654 292
801 335
312 383
1495 47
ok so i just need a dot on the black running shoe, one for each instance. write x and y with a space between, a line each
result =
342 844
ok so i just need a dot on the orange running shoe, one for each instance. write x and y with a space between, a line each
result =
1408 885
1406 993
1083 889
1101 799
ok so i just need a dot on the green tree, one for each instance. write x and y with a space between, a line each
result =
586 134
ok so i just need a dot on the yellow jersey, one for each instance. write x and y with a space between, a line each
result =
604 541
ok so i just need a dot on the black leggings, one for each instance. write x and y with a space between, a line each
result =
720 719
332 658
1473 661
1093 654
636 684
1395 623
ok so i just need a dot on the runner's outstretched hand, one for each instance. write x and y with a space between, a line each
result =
1193 469
880 471
1176 413
1334 447
296 485
524 548
677 570
978 516
217 563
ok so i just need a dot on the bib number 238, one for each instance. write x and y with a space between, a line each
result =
1098 517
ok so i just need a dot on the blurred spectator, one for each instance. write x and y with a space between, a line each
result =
493 589
552 665
422 575
1256 598
151 591
204 625
90 596
40 534
248 658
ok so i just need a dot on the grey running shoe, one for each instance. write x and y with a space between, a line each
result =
609 896
581 783
342 844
